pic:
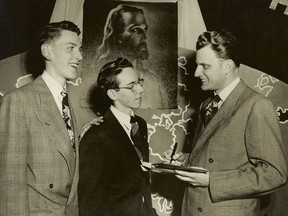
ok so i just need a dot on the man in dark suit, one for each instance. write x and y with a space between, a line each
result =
112 178
38 140
241 145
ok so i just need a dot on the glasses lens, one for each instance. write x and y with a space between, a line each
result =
134 86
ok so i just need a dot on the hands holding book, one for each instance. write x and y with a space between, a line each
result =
178 159
196 176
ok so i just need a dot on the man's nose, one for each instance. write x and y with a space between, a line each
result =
78 55
140 88
143 34
198 71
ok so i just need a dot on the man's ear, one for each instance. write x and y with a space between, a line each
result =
229 65
46 52
112 94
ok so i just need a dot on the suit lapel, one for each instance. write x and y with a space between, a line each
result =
76 139
220 120
51 119
121 135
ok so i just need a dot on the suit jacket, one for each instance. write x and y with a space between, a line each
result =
243 151
39 170
111 179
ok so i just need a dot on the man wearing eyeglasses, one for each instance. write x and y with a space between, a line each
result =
112 178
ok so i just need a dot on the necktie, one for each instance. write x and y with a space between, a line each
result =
210 110
133 134
67 116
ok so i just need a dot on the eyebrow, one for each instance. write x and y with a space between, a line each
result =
74 44
133 82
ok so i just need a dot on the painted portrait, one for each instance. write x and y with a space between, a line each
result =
145 34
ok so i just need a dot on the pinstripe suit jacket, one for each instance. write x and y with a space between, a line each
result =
38 168
243 150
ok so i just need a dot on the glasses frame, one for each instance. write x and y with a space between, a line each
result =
133 88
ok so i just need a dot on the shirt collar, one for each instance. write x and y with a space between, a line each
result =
52 84
121 117
228 89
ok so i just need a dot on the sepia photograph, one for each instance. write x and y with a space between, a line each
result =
144 107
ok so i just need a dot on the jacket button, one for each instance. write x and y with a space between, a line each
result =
200 209
51 185
210 160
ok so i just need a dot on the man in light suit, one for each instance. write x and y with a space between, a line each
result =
38 157
241 146
112 178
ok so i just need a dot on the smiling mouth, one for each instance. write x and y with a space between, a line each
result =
75 65
204 81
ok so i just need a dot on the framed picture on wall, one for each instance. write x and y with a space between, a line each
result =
143 32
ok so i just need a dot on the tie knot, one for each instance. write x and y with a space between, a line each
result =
63 93
133 119
216 98
65 97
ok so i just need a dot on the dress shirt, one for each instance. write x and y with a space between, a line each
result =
55 88
124 120
226 91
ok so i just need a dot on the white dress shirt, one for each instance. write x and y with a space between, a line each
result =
226 91
124 120
55 88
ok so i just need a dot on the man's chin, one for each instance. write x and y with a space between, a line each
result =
144 55
141 52
204 87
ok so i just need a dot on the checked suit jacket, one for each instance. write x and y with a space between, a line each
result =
38 167
111 179
242 149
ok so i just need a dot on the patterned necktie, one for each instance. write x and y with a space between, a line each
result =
210 110
67 116
133 134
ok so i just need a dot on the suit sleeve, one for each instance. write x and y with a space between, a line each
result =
93 167
14 138
266 168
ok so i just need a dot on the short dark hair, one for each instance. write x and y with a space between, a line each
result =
107 79
53 30
223 42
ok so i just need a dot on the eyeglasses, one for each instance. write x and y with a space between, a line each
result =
133 86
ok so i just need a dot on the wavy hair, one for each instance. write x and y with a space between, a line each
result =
224 44
113 28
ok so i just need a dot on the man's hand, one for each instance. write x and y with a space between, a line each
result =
97 121
193 178
178 159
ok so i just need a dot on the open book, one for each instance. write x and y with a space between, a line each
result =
168 168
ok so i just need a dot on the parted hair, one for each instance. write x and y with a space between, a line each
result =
224 44
107 79
53 30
